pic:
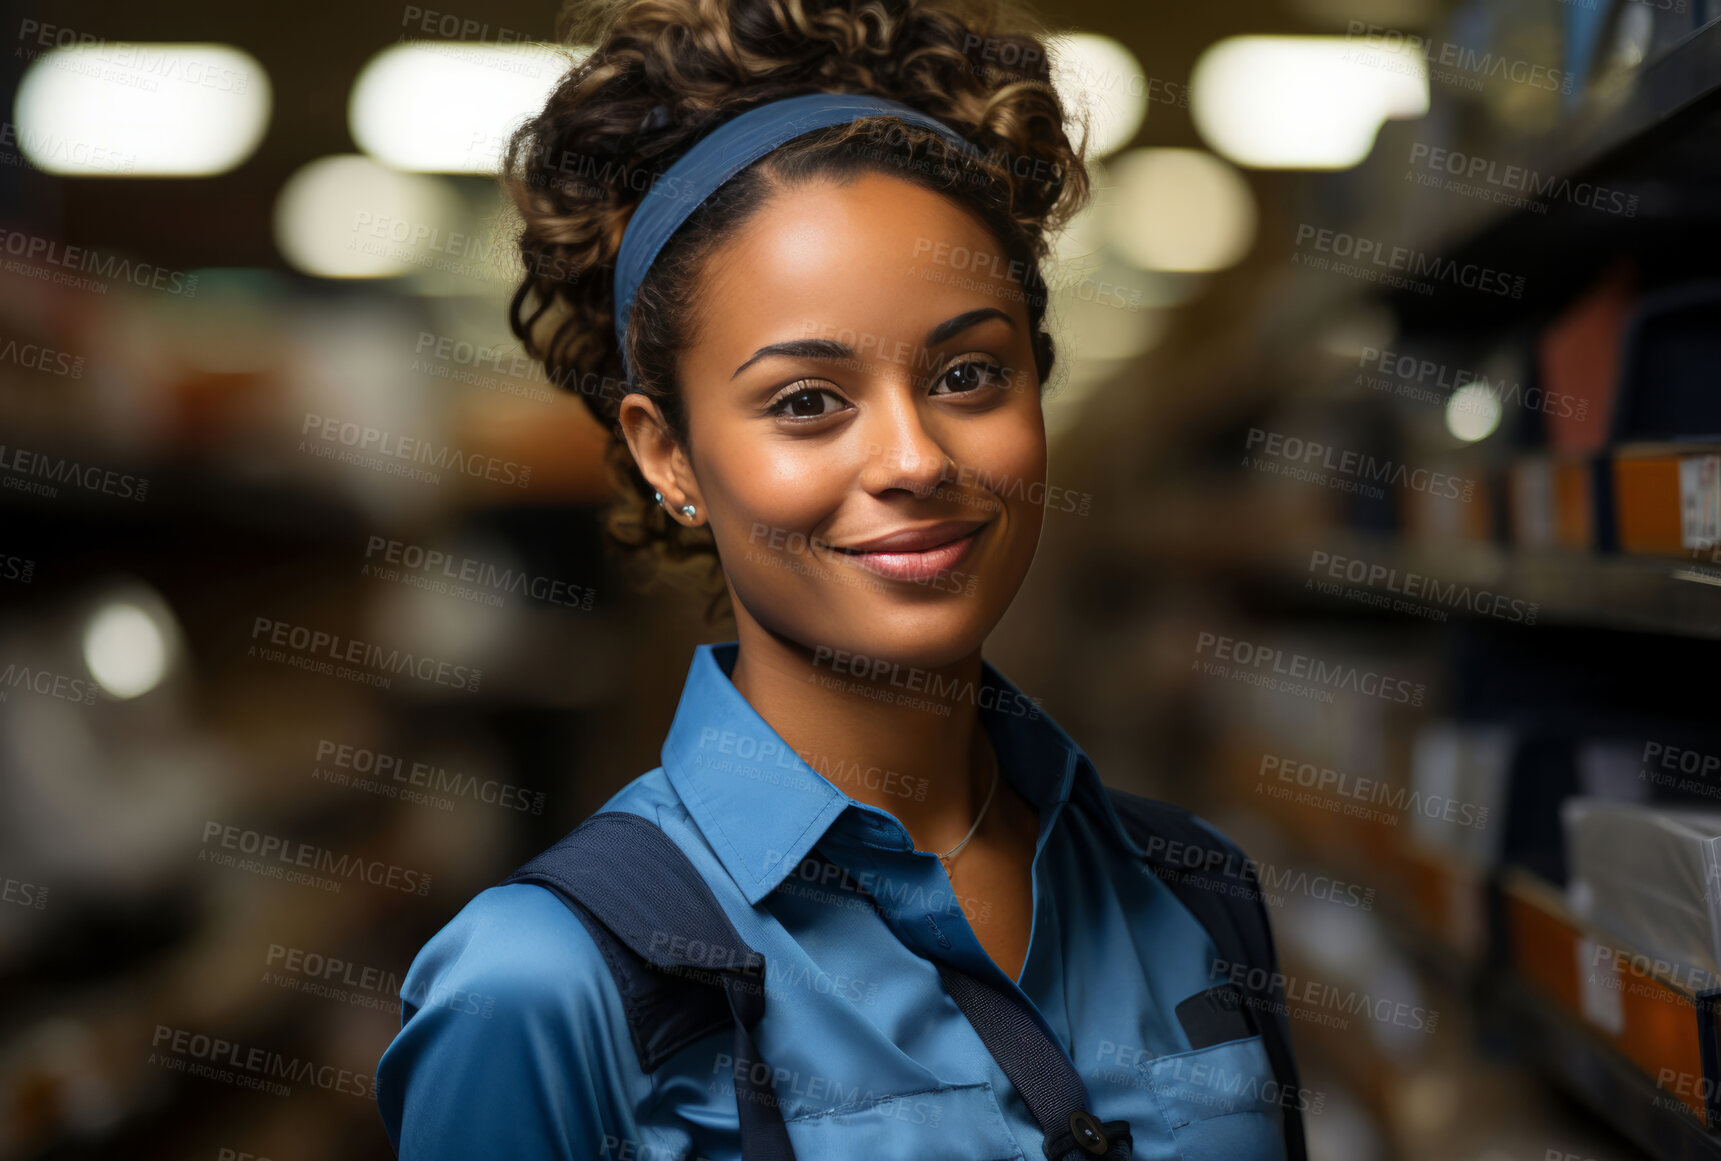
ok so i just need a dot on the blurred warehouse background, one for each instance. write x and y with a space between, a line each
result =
1390 403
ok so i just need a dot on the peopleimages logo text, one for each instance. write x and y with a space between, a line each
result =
1413 263
1462 57
260 1063
302 854
1305 668
1359 465
18 464
1416 586
412 450
919 680
318 644
347 759
34 248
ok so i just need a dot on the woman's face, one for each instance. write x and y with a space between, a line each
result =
864 421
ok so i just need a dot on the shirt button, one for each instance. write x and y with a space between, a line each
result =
1088 1133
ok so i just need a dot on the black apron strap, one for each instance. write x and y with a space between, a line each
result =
679 929
1038 1066
1214 879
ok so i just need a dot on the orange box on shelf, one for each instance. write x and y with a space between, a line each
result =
1629 1001
1449 895
1457 505
1667 498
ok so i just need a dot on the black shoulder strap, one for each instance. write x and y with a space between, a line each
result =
1037 1065
662 942
1212 877
656 943
683 971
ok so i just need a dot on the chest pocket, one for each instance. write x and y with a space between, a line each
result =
1222 1102
956 1123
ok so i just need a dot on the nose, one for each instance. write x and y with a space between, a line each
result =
901 452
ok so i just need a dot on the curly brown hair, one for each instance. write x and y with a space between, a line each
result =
661 74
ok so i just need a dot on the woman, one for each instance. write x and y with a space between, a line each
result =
821 351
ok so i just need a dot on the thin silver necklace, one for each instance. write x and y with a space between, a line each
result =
951 853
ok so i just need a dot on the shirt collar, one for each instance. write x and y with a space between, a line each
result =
762 808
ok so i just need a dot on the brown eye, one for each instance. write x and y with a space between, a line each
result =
807 403
970 377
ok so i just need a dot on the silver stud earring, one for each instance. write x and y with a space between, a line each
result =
688 510
657 497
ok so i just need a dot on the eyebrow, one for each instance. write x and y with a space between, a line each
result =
831 349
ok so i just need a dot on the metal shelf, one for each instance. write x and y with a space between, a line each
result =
1630 593
1608 121
1619 1092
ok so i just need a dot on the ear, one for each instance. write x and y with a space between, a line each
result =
661 458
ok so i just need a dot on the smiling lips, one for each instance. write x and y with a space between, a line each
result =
915 554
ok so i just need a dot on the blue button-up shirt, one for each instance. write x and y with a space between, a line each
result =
513 1040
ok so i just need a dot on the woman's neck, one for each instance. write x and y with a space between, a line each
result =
908 741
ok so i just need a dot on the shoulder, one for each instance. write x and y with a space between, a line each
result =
1205 868
512 1005
523 943
1175 836
517 950
517 940
514 961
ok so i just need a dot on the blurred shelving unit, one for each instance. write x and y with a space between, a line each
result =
1521 710
107 805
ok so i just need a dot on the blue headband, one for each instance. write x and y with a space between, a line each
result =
719 156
